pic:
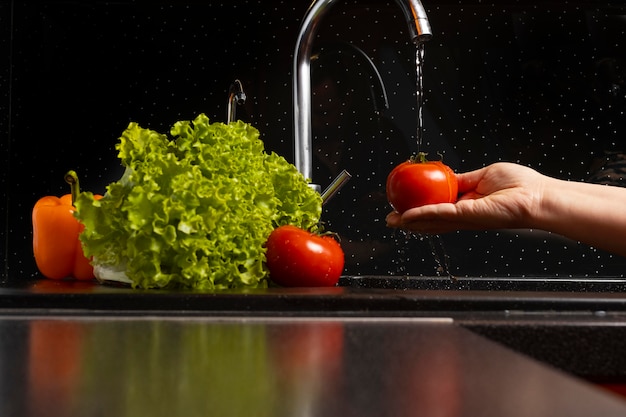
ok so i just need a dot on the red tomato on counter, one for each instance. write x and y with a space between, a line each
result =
299 258
418 182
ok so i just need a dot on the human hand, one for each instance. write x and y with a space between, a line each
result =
501 195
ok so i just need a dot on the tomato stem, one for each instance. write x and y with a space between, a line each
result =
72 179
419 158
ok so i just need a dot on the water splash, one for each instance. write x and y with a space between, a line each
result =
441 256
437 249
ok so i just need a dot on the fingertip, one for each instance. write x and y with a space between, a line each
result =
467 180
393 219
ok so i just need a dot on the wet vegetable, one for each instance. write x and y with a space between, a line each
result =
418 182
299 258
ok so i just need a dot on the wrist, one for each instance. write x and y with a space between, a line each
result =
550 204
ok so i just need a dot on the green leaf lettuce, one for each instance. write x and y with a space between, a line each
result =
194 211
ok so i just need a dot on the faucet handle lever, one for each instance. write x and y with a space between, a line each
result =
343 177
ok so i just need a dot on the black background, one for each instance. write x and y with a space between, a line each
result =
518 81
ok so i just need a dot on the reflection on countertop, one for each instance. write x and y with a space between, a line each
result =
198 366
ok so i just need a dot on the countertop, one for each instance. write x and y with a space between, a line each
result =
371 346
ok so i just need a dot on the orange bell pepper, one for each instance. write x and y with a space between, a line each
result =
57 248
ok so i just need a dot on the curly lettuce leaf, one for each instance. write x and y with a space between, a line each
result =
194 211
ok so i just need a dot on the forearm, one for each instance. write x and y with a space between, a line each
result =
590 213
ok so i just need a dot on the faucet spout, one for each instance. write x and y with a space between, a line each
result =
419 31
419 26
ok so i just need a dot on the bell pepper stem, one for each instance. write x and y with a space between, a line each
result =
72 179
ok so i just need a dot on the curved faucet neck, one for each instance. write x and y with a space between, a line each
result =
419 31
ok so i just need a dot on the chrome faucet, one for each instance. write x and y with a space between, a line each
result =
419 31
236 97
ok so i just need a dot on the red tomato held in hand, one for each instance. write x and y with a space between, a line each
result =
418 182
299 258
